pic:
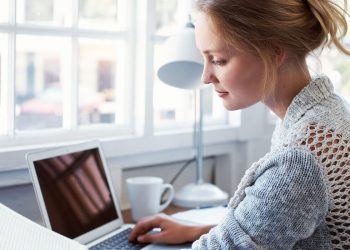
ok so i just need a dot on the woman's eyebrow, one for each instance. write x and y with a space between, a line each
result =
209 51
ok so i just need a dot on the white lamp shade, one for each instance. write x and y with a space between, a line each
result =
181 63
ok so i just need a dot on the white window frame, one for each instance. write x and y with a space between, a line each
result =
70 130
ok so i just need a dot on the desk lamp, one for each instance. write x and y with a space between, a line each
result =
181 66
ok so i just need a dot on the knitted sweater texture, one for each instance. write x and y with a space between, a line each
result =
298 195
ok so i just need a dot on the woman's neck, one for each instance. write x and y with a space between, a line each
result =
290 81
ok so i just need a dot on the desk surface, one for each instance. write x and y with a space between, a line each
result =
172 209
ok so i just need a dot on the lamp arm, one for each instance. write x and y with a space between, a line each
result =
199 135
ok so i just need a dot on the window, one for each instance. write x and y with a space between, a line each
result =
3 11
69 66
40 80
101 76
102 14
43 12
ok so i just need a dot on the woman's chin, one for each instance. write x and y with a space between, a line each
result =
235 106
231 107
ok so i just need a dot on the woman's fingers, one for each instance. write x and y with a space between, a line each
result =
144 226
151 237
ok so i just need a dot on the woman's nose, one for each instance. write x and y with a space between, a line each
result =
207 76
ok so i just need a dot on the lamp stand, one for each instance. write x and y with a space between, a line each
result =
199 194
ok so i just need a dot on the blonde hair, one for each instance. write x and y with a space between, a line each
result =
264 28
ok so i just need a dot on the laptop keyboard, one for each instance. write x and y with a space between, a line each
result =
118 241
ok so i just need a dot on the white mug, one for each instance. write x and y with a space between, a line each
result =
145 196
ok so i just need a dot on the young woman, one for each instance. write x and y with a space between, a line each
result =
298 195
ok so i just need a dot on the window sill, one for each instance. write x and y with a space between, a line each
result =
127 152
21 176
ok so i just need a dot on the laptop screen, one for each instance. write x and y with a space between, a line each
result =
76 192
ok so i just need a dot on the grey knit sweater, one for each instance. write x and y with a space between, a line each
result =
298 195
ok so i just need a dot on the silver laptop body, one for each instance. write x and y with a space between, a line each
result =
76 195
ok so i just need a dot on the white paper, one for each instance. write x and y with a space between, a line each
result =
204 216
19 233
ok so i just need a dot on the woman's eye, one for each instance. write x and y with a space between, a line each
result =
218 62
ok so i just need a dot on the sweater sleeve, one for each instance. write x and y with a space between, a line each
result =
285 204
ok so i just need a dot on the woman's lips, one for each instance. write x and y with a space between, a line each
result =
222 93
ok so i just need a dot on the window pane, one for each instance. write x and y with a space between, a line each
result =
4 10
101 81
44 12
102 14
3 76
40 79
172 106
336 65
214 110
170 15
166 11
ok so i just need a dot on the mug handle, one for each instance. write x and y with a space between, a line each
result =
170 198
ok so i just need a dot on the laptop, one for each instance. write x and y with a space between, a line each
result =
76 196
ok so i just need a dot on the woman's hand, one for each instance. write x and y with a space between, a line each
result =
172 232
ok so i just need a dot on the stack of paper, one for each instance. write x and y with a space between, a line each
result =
18 232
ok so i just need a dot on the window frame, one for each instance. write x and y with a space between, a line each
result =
72 33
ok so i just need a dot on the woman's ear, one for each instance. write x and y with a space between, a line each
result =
280 55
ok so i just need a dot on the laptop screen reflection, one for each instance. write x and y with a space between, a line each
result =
76 193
